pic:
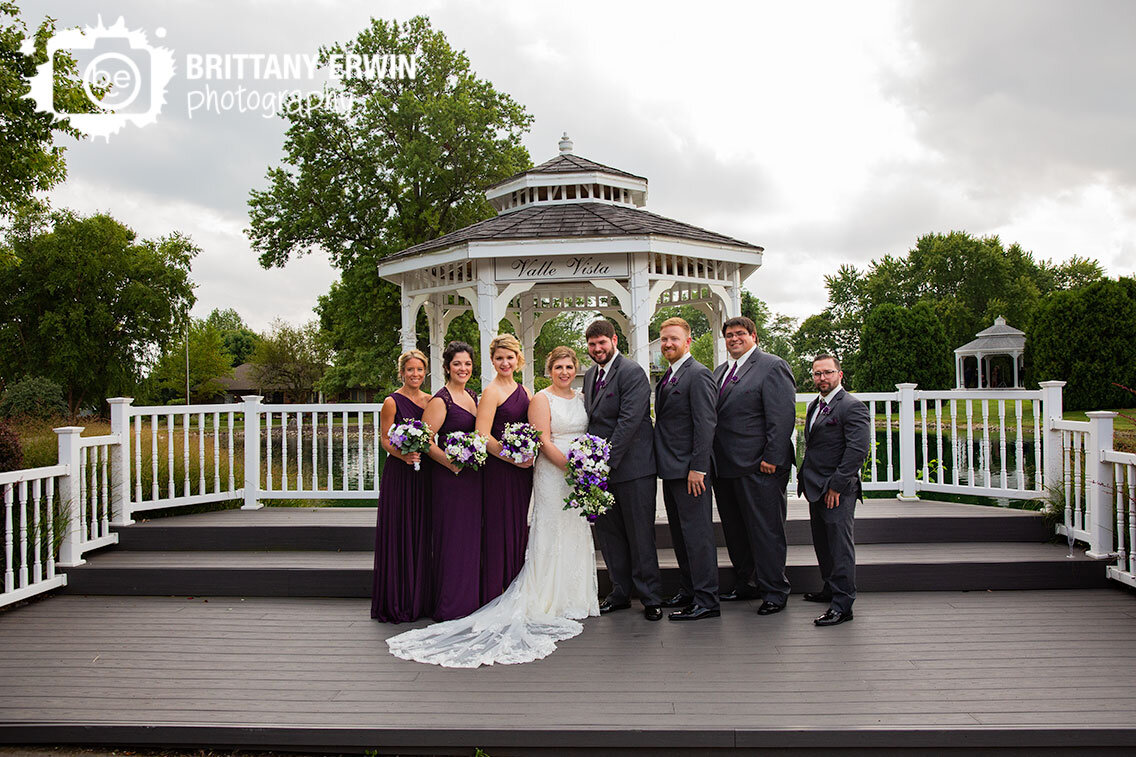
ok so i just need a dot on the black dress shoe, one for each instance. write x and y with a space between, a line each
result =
653 612
694 613
739 594
769 608
833 618
817 596
679 600
607 606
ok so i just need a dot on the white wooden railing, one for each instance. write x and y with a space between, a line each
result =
1010 444
988 443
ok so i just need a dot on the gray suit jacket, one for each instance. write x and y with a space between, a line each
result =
835 448
684 421
620 413
756 416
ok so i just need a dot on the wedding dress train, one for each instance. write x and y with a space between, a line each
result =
556 587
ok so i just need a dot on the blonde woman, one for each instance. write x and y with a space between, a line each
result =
506 485
401 589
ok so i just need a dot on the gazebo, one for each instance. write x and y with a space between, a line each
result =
999 339
569 235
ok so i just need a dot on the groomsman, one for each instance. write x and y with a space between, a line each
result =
753 455
838 432
684 432
617 395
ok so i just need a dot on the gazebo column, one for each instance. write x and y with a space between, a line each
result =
1016 355
528 342
958 371
435 317
980 359
484 312
639 288
410 307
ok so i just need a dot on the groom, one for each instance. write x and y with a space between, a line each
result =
617 395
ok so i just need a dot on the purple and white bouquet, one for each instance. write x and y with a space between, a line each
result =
410 436
520 442
587 472
466 449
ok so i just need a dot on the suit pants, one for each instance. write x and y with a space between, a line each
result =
836 549
753 508
691 522
627 539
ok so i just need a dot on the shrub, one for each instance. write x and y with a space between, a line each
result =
11 454
900 344
33 397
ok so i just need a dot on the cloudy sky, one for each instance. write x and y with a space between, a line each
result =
826 132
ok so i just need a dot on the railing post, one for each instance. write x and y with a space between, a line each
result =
252 452
1053 408
1098 485
71 547
120 461
906 441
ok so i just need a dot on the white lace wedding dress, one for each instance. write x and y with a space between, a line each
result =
556 587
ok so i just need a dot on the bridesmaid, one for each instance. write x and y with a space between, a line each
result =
507 485
455 512
401 590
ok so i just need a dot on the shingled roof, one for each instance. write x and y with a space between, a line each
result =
569 163
572 220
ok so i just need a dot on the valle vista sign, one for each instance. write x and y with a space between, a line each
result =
561 268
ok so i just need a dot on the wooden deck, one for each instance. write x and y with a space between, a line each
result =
1019 670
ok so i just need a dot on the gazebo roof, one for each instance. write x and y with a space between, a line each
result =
568 163
997 339
573 220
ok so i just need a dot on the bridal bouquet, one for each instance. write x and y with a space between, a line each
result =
587 474
520 442
466 449
410 436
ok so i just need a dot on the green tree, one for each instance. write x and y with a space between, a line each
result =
208 364
237 338
31 160
89 306
1085 337
290 358
406 163
900 345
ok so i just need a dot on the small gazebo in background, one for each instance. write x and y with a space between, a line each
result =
571 235
1001 339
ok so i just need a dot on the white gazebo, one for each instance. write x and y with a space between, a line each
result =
999 339
570 235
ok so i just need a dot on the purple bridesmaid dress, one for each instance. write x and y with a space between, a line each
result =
402 589
456 524
507 491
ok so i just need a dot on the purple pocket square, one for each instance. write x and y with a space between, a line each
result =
830 422
611 394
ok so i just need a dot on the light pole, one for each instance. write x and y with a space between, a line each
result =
186 319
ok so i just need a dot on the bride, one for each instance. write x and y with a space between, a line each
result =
557 585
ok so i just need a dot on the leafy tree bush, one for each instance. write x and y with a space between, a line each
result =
1087 337
901 345
11 454
407 163
88 305
208 364
33 397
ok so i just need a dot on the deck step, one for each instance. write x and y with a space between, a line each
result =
353 528
880 567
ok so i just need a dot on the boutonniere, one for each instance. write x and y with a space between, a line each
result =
734 380
826 410
601 384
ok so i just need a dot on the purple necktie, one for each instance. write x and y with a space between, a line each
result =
729 378
666 377
599 380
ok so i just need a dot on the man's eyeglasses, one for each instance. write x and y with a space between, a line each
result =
820 374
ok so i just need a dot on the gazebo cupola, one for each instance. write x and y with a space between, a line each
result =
568 179
570 235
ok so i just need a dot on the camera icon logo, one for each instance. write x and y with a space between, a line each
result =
122 75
